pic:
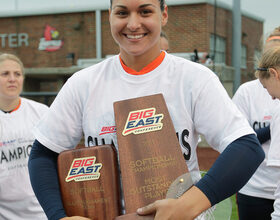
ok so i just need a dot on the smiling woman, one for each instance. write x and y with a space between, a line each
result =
136 28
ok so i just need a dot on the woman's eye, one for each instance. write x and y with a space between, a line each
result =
121 13
4 74
18 74
145 12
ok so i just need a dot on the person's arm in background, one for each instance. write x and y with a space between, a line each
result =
263 134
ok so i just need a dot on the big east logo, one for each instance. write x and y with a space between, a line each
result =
83 169
142 121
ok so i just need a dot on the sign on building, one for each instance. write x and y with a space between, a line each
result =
14 40
50 40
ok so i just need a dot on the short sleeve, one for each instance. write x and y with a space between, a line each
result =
217 117
241 101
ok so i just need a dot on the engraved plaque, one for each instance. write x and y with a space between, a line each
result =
149 151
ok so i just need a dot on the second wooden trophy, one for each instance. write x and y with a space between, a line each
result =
89 182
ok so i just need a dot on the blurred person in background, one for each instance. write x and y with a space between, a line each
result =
164 43
18 116
268 73
255 200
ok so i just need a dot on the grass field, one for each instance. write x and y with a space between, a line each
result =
234 215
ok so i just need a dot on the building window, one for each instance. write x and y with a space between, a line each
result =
257 55
244 57
220 52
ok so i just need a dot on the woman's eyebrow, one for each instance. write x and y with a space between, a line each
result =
146 5
120 6
141 6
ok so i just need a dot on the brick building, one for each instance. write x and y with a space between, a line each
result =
53 44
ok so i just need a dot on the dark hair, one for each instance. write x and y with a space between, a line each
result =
161 2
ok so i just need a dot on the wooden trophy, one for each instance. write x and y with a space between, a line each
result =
89 182
149 152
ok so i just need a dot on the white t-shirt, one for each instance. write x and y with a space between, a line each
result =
274 151
257 106
17 199
196 100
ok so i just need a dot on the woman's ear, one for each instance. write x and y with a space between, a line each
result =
278 73
275 73
164 16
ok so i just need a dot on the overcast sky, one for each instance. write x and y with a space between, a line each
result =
266 9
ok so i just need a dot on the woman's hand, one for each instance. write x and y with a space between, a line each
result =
165 209
187 207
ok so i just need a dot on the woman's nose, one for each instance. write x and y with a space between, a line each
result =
12 77
133 22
